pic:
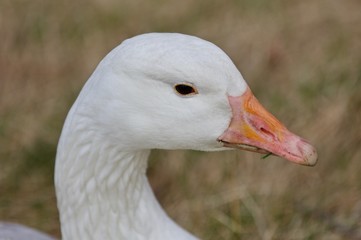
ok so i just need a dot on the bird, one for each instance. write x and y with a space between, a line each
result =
154 91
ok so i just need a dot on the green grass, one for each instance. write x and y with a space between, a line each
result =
302 59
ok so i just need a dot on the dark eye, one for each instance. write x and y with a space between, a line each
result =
185 89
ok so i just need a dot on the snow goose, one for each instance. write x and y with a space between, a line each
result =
154 91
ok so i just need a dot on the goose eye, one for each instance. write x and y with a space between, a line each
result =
185 89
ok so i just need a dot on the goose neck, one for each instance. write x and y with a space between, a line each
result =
103 192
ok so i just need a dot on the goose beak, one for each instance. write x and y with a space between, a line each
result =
253 128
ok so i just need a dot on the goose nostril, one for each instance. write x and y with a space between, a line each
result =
268 133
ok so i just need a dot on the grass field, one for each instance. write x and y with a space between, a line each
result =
301 58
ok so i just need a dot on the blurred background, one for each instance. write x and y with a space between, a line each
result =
302 59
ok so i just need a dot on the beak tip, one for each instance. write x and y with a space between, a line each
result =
310 155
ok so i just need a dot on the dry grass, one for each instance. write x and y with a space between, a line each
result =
301 58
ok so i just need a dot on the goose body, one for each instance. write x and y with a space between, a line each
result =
154 91
12 231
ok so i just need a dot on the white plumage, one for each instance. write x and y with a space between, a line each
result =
129 106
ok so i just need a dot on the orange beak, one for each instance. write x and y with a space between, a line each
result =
253 128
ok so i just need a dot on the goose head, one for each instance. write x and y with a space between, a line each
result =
174 91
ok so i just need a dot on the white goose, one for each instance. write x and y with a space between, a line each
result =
157 90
